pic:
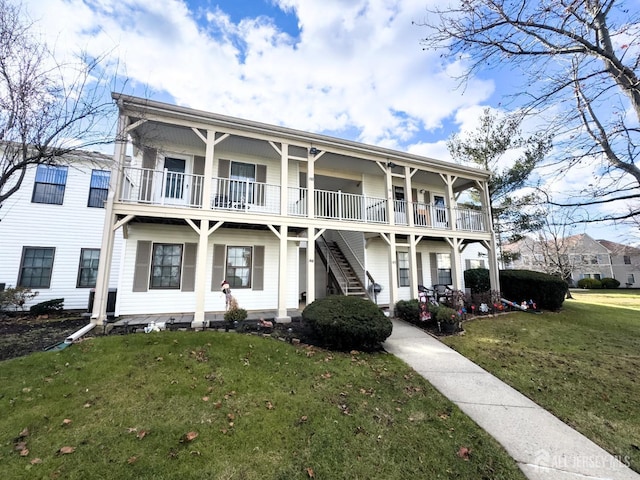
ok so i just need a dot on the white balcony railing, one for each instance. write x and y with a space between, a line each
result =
176 189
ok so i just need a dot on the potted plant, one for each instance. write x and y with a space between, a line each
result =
448 320
234 315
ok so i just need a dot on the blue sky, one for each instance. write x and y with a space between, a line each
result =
353 69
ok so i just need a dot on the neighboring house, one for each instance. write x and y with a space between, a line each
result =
51 230
625 263
577 257
282 215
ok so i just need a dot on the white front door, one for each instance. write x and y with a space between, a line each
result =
177 180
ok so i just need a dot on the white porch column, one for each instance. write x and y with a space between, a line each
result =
201 275
311 186
413 265
393 273
99 313
283 282
311 266
284 179
494 268
456 268
408 198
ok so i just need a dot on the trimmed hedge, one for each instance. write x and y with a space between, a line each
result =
546 290
589 283
609 283
340 322
477 279
49 306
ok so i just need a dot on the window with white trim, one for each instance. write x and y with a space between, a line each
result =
403 269
36 267
443 266
88 269
50 184
99 188
242 177
166 265
238 267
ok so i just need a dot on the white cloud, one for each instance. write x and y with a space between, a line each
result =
355 67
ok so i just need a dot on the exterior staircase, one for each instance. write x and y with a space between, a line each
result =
344 275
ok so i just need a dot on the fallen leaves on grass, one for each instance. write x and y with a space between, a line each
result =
35 461
189 437
464 453
311 473
66 422
66 450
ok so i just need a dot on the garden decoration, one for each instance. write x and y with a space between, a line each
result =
425 314
226 290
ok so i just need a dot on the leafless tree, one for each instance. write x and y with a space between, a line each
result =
578 61
48 109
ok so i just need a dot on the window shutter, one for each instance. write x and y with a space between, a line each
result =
142 263
148 162
217 275
189 267
414 195
419 262
482 264
224 167
258 267
434 268
198 182
261 178
467 264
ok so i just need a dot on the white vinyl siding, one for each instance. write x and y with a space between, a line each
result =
75 226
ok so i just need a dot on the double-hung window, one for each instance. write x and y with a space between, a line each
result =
238 271
36 267
166 265
88 269
50 184
403 269
443 266
99 188
242 178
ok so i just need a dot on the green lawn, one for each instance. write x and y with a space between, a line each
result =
228 406
582 364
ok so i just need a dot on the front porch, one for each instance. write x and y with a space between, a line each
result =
175 321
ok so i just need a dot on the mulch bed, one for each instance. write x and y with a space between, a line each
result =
23 334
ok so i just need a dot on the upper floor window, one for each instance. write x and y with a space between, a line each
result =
88 270
242 176
99 188
36 267
627 260
238 271
166 265
50 184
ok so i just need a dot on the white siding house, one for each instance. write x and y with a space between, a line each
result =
282 215
51 230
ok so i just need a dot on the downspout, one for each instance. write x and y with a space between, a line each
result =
71 338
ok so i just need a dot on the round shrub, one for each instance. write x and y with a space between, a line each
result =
447 315
609 283
341 322
589 283
408 310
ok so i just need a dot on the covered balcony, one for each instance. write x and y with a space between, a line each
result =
175 189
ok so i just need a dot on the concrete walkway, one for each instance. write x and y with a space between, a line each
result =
544 447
